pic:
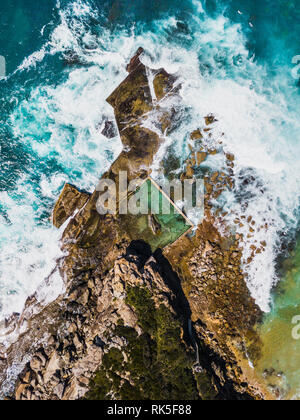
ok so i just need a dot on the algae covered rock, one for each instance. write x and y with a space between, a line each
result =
163 84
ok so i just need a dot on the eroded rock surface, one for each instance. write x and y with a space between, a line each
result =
70 200
128 318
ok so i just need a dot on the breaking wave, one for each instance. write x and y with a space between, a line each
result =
57 122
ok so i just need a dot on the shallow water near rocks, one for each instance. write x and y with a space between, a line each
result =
279 363
234 60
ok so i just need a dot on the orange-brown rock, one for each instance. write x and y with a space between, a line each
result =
210 119
198 279
70 200
196 135
201 156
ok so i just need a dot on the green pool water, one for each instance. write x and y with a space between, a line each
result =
172 225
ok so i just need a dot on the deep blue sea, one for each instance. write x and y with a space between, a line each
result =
235 59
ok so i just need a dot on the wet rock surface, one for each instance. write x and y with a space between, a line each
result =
109 130
89 341
70 200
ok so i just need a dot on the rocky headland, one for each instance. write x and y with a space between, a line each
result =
133 322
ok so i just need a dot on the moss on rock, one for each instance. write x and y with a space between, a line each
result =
158 362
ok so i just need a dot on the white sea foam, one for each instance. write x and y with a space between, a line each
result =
28 251
64 121
261 129
217 76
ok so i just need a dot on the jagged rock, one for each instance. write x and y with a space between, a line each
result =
19 391
210 119
27 377
59 390
201 156
36 363
102 271
163 84
109 130
52 366
196 135
135 61
70 200
230 157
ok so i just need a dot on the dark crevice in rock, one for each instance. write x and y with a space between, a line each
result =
208 359
180 304
141 250
206 355
118 292
174 283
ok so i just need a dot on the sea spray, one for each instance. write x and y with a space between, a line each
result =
58 124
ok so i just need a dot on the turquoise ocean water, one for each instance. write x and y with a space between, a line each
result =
235 59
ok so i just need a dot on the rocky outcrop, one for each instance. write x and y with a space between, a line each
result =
70 200
92 309
101 318
129 317
93 312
